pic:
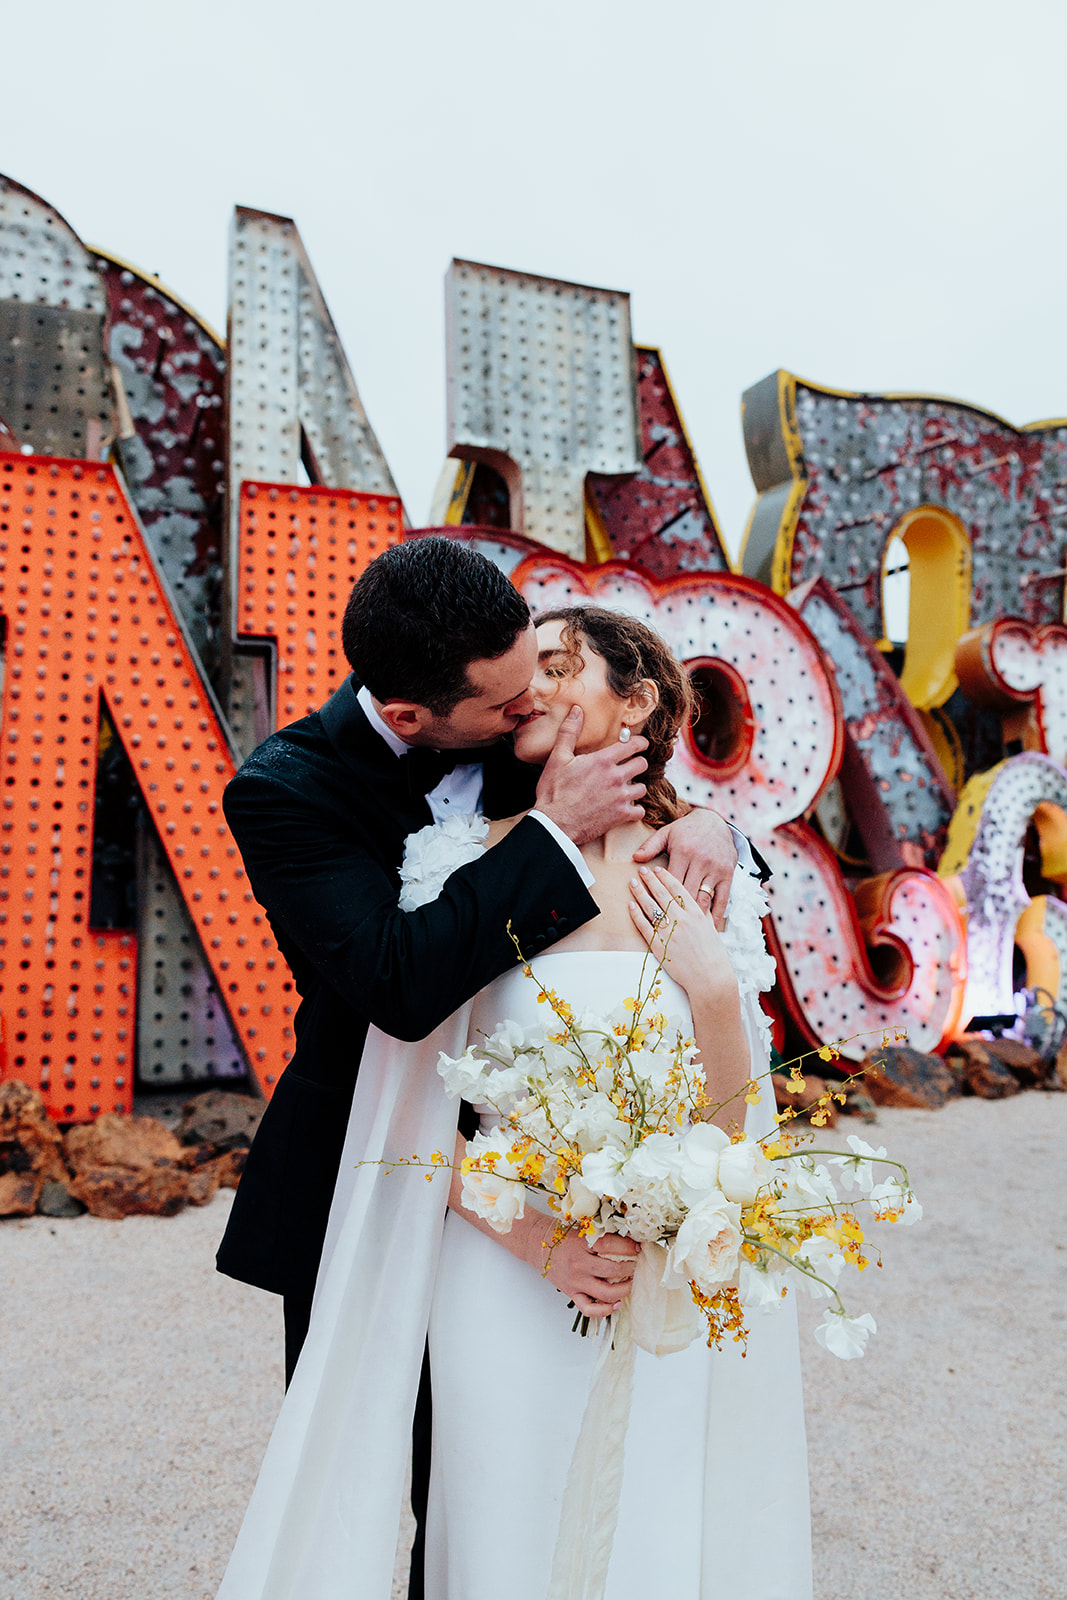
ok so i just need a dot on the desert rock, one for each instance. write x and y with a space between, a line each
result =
220 1118
983 1073
897 1076
29 1149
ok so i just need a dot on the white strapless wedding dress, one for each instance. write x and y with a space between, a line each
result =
715 1492
715 1488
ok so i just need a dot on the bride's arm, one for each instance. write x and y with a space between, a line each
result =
592 1275
673 925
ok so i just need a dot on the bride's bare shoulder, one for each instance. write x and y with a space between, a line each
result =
621 844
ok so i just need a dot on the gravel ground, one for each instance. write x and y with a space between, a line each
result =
140 1387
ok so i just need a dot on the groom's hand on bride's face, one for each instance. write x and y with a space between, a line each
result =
585 795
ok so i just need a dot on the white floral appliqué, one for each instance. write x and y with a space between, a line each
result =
433 853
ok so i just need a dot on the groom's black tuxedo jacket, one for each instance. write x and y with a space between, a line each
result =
320 811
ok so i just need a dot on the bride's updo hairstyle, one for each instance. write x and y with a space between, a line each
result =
632 652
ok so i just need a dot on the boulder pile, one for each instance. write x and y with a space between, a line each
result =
894 1075
120 1166
989 1068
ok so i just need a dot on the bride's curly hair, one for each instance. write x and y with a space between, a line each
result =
631 652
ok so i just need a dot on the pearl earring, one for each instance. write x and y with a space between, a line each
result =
624 734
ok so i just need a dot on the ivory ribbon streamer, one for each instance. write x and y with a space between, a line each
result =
662 1321
594 1480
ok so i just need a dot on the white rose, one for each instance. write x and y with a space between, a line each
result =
698 1168
580 1201
498 1197
707 1246
743 1171
845 1336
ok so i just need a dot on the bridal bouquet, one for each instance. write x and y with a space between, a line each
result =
604 1116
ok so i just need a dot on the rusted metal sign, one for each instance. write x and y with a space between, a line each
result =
54 387
662 519
166 607
838 473
891 779
540 386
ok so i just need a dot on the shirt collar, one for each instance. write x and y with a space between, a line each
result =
370 711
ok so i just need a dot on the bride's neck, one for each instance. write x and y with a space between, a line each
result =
618 844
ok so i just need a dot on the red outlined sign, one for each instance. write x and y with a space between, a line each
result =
87 615
301 550
825 938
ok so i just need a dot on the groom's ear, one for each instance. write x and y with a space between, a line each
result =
406 719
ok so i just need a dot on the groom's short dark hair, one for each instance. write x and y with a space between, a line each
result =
421 613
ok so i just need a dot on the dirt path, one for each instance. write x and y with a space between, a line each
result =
139 1389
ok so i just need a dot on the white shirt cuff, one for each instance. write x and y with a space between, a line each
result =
569 848
745 859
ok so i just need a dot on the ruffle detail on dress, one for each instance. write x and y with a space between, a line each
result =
433 853
753 964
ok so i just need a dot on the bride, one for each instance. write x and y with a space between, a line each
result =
714 1495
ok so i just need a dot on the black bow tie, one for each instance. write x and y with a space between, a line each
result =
424 768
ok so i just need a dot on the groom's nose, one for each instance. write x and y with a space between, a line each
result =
521 706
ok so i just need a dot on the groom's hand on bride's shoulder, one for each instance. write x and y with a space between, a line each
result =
585 795
701 854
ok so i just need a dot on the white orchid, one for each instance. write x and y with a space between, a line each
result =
761 1286
602 1172
602 1116
821 1257
806 1184
893 1199
856 1169
597 1116
845 1336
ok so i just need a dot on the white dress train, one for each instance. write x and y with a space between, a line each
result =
715 1491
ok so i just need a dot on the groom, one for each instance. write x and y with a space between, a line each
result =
443 651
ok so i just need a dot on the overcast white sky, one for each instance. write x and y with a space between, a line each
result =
870 195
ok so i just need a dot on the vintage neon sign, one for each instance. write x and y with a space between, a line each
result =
788 750
88 617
